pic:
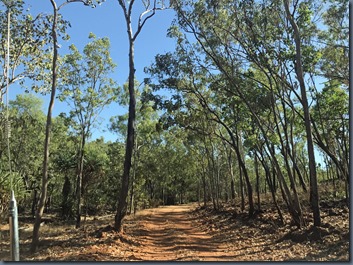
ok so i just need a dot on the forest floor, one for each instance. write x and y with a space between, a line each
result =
188 233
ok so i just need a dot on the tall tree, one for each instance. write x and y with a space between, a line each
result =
314 192
53 82
27 120
150 9
229 47
87 89
335 53
28 36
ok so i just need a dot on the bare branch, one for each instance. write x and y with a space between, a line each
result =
130 8
85 2
142 20
122 4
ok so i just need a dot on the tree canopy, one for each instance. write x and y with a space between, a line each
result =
252 101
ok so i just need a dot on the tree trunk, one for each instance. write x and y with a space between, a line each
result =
232 189
241 161
271 186
79 180
257 182
274 183
241 189
198 193
211 173
292 200
327 150
133 179
122 203
44 189
293 156
204 187
65 208
34 202
314 193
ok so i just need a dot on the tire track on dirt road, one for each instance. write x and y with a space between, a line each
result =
171 233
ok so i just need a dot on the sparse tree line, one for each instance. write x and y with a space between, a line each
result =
252 94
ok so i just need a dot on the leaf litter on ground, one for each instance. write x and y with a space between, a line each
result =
260 238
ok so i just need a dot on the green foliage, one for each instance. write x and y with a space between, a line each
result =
334 63
228 86
25 146
8 182
86 85
94 181
331 112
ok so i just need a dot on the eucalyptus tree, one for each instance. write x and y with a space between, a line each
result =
95 177
334 63
201 137
264 57
223 56
150 8
299 69
115 152
27 121
174 167
87 89
184 73
145 136
57 26
22 38
28 37
268 47
64 163
331 126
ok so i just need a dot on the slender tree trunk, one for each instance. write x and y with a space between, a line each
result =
34 202
122 204
292 200
271 186
285 148
293 155
345 161
232 189
79 181
198 193
257 182
133 179
241 161
211 175
241 189
131 200
127 9
274 182
217 182
65 208
44 189
326 148
204 187
314 193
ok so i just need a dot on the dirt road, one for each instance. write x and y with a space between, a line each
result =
177 233
170 233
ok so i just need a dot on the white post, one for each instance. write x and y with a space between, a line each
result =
13 218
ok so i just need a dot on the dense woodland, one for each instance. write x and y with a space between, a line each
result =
252 105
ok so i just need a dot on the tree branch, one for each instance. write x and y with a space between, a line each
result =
142 21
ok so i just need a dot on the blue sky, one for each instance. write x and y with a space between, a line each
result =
107 20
